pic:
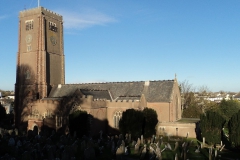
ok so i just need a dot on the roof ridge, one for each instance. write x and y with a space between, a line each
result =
118 82
94 89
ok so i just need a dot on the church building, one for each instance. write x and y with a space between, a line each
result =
43 98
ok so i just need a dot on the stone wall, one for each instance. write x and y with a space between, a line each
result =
162 109
177 129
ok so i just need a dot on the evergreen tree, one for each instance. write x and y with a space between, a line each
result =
131 122
150 122
79 123
211 125
234 129
228 108
2 113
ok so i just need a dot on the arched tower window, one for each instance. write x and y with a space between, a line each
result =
117 116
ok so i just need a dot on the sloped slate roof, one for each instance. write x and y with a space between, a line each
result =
237 95
154 91
97 94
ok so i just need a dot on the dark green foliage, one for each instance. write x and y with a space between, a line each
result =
131 122
228 108
8 121
151 120
192 112
234 129
2 113
211 125
79 123
139 122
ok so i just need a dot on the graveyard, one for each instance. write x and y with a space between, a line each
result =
48 144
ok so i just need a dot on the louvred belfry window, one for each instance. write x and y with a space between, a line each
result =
29 25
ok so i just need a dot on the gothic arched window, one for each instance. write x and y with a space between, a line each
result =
116 118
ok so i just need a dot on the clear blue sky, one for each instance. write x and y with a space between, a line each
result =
137 40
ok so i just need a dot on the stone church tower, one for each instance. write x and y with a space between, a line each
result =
40 57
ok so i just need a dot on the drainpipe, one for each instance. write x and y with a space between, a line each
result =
169 111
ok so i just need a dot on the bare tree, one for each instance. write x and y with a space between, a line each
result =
204 91
187 93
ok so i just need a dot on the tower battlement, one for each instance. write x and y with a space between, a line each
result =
37 10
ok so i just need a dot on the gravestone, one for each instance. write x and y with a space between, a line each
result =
215 153
142 141
119 142
160 141
222 147
183 144
11 142
123 146
126 152
121 137
35 130
65 155
139 141
83 145
176 157
153 139
184 150
10 132
149 141
113 147
134 143
19 143
136 147
176 146
151 152
158 153
169 146
16 131
126 137
50 153
101 149
203 141
89 154
210 153
100 134
119 153
129 138
26 155
74 146
197 150
143 153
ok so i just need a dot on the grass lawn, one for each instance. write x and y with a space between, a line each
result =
188 120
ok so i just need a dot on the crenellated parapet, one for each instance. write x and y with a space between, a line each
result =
36 9
123 104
